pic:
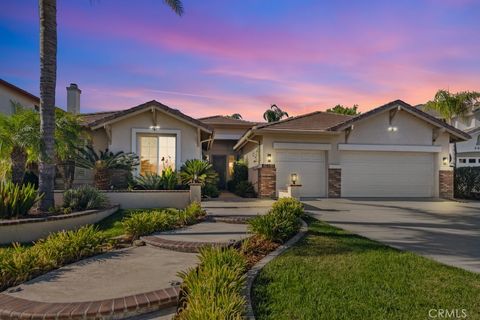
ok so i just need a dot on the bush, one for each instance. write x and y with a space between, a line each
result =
213 290
240 171
210 191
152 181
146 222
142 223
16 200
280 223
288 205
20 263
198 171
245 189
84 198
467 182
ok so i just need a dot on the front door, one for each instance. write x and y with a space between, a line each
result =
220 166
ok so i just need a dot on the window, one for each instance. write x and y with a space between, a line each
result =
462 160
472 160
156 153
478 140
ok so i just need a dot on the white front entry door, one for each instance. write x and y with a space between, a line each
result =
387 174
309 165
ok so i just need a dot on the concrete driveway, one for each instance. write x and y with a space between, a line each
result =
446 231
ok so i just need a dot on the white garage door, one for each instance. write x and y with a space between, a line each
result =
387 174
309 165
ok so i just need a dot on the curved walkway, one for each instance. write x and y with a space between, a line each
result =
127 283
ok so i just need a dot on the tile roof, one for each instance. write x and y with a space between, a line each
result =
318 120
219 119
96 119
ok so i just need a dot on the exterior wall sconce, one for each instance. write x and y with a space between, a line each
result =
392 129
154 128
269 157
294 178
445 161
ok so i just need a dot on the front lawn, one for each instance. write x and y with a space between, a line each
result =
332 274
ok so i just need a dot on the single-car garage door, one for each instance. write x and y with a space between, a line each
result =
309 165
387 174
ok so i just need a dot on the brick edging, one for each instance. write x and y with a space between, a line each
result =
118 308
184 246
255 270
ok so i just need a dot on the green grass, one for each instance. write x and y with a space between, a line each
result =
332 274
111 226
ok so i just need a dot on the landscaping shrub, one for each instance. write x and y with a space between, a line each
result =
245 189
240 171
467 182
168 180
213 290
21 263
84 198
198 171
210 191
280 223
16 200
142 223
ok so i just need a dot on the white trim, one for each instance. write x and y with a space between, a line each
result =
389 147
226 136
334 166
302 146
178 143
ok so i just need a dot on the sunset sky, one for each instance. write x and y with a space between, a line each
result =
240 56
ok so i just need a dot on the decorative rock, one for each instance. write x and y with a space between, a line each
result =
138 243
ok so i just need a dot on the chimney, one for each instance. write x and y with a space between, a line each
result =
73 98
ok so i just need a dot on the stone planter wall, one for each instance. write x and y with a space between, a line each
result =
28 230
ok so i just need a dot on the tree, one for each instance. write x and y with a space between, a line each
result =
274 114
236 116
48 78
349 111
452 106
19 140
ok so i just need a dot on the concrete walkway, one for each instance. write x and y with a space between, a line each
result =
111 275
134 274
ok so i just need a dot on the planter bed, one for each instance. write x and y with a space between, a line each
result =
31 229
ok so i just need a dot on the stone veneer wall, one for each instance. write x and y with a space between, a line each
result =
334 183
446 184
267 179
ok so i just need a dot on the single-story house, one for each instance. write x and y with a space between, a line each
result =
394 150
10 94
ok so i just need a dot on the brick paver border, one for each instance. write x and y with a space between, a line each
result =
234 219
119 308
184 246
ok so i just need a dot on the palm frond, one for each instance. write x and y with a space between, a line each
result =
176 6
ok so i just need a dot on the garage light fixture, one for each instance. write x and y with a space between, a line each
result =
445 161
392 129
269 157
294 178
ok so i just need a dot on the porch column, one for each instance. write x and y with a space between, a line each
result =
267 180
334 182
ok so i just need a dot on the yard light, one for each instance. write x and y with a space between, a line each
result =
294 178
445 161
269 157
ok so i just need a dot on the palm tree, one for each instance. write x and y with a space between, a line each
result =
274 114
452 106
19 141
236 116
48 78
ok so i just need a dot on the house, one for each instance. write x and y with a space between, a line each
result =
220 150
468 152
394 150
11 94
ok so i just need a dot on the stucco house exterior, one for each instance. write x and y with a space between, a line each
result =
10 93
394 150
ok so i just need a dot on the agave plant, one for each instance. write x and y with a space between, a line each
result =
197 171
16 200
103 161
152 181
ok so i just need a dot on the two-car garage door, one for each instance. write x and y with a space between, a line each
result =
387 174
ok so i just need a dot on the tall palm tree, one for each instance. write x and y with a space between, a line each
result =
274 114
48 78
452 106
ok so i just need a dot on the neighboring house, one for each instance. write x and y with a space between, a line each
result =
11 94
395 150
220 151
468 152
